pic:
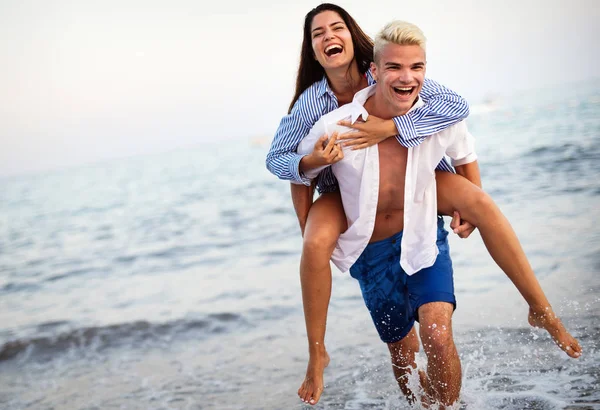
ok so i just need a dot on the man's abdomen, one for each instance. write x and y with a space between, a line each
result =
390 206
387 223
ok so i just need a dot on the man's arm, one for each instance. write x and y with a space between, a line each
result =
302 198
470 171
464 158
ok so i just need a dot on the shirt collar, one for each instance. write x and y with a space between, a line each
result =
323 87
416 105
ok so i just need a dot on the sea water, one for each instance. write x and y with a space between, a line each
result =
171 281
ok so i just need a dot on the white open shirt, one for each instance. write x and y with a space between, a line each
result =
358 179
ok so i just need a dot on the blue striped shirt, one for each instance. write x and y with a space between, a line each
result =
442 108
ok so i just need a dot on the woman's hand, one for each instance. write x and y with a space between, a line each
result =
324 153
368 133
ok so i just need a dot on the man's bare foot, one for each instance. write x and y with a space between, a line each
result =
312 387
426 394
546 319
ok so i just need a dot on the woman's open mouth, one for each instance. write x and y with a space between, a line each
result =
333 49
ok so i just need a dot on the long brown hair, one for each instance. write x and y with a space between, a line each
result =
310 70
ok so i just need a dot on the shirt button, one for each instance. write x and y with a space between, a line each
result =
391 258
393 241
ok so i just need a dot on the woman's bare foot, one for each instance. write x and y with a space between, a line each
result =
312 387
545 318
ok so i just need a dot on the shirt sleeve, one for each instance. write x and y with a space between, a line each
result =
443 108
326 181
462 149
282 160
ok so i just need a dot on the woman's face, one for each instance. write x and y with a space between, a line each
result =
331 40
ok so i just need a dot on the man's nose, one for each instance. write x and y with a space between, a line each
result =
404 76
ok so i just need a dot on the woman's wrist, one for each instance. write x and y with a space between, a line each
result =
307 163
391 130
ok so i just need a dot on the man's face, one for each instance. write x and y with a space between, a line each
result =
400 73
331 40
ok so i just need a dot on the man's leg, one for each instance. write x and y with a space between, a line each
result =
383 286
326 221
443 363
474 205
432 302
403 362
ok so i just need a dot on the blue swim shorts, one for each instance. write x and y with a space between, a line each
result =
393 297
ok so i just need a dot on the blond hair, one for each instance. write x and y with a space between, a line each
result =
401 33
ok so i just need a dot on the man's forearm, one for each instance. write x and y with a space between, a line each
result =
471 172
302 198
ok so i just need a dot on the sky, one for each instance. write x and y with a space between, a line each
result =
85 81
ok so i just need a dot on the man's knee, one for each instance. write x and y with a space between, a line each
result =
408 344
437 338
436 326
403 352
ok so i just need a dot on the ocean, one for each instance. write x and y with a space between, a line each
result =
171 281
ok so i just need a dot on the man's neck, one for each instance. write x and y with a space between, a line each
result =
376 106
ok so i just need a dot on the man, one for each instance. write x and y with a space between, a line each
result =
398 250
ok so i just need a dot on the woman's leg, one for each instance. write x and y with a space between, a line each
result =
326 221
474 205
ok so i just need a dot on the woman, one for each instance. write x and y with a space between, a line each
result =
334 65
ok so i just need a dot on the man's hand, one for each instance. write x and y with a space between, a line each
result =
462 228
324 153
368 133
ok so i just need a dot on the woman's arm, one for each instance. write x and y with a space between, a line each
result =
282 160
443 108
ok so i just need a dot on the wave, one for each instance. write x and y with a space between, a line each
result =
101 337
97 338
565 152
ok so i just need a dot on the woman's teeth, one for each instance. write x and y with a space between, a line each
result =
333 49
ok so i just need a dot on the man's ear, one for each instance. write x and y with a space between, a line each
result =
374 71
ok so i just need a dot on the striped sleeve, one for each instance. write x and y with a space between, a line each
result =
326 181
444 165
282 160
443 108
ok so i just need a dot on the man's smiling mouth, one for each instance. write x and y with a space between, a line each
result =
404 91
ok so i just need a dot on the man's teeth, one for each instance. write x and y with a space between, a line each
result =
403 88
